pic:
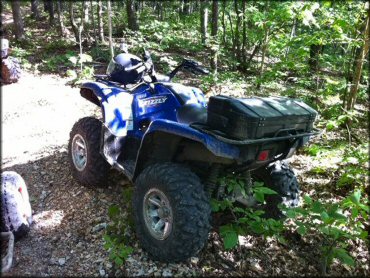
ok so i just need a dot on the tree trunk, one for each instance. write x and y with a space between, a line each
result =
85 8
100 22
237 32
214 31
35 10
186 7
62 28
18 20
313 61
223 22
292 35
359 64
93 23
244 42
73 22
264 48
50 10
110 29
131 14
204 21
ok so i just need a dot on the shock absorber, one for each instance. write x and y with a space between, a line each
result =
211 182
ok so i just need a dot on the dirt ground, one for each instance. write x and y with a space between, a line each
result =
65 239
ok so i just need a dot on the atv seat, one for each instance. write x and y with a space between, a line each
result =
192 113
183 93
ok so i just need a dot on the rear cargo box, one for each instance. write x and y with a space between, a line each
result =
255 118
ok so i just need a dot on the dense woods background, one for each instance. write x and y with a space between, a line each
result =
316 51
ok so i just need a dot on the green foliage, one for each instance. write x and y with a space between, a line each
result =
338 223
118 233
100 54
354 171
246 220
350 163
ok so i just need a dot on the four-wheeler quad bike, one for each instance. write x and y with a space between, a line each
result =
173 146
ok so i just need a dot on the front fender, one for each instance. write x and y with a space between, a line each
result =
115 103
172 129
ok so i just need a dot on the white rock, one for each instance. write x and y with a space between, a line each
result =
194 260
61 261
102 272
167 273
99 227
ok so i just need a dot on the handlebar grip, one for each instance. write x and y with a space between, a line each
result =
140 69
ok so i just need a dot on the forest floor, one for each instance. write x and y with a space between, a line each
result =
69 219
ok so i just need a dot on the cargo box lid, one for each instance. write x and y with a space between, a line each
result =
270 107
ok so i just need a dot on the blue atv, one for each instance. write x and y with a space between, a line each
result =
174 146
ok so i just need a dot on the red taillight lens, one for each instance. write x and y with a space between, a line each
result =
264 155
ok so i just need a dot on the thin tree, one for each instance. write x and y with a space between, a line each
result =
93 23
100 22
110 29
50 9
73 22
18 21
214 33
361 56
35 10
131 15
204 21
62 28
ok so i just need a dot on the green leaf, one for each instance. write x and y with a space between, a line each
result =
302 230
215 205
355 197
257 227
317 207
266 190
118 261
343 256
113 210
259 197
354 213
290 213
364 234
324 216
307 199
230 239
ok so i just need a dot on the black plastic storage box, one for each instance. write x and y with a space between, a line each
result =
255 118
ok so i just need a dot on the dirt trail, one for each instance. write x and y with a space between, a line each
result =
38 113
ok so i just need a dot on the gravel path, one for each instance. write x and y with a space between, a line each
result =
69 219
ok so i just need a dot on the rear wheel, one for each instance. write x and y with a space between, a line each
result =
87 164
281 178
171 212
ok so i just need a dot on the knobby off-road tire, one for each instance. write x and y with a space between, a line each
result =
89 167
281 178
187 207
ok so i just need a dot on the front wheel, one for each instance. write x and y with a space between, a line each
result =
87 164
171 212
281 178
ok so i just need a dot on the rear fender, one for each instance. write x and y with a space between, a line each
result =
161 140
115 103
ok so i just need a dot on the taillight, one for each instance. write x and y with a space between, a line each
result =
263 155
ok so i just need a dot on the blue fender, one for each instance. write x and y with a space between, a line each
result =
102 91
214 145
171 128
